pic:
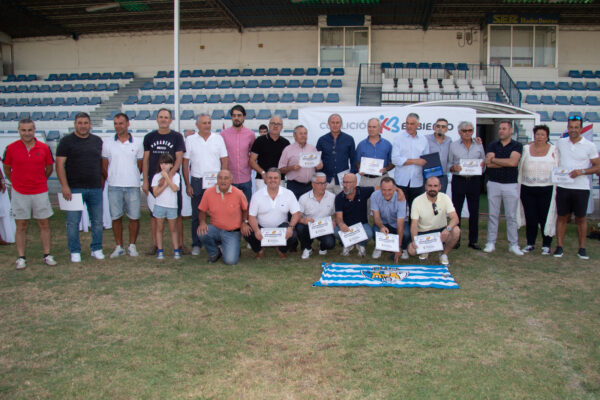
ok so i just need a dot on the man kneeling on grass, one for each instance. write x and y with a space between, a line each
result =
429 214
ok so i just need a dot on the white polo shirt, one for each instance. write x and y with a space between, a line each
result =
576 156
204 155
122 161
311 208
272 213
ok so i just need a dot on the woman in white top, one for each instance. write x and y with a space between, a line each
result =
535 170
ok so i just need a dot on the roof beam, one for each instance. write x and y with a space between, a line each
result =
229 14
428 4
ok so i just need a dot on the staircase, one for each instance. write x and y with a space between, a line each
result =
116 100
496 94
370 96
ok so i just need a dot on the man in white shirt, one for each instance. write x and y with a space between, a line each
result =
205 154
581 157
122 163
269 208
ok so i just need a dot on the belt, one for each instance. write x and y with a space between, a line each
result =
234 230
371 176
466 178
299 183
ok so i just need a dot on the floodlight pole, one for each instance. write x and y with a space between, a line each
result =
176 62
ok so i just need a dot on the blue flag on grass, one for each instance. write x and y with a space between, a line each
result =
400 276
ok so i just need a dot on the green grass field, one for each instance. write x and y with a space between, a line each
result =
136 328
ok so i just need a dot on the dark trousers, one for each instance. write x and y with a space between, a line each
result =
327 241
444 182
536 203
299 188
196 184
405 234
470 188
411 193
256 246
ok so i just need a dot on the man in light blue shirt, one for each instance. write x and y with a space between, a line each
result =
407 150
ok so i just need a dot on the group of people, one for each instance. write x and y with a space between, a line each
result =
217 171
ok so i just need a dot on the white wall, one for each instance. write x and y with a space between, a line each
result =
578 49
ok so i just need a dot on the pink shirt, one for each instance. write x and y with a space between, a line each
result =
290 156
238 145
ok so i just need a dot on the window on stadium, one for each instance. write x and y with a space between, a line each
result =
522 45
344 46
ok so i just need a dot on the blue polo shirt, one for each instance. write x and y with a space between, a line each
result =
337 155
382 150
355 211
390 210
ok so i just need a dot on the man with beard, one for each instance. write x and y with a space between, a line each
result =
440 143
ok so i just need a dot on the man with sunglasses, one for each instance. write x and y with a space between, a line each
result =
429 214
440 143
581 157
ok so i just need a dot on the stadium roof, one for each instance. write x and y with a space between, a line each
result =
33 18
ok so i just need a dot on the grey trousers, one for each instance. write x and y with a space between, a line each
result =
509 194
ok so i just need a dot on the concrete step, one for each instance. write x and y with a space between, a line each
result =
116 100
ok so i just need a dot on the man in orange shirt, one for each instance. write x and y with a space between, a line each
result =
228 210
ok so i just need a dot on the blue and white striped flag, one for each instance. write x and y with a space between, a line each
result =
400 276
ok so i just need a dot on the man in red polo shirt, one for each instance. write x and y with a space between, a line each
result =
27 164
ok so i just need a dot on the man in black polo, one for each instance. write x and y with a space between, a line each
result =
266 150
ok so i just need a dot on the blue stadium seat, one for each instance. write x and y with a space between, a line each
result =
212 84
265 84
200 99
78 87
302 98
128 75
24 88
335 83
143 115
171 85
147 86
187 114
228 98
160 99
436 65
317 98
522 85
548 100
13 88
67 87
298 72
131 114
398 65
574 74
234 72
285 72
33 89
12 102
23 102
250 113
564 86
35 101
209 73
332 98
293 114
185 85
221 72
424 65
312 71
587 74
52 136
214 98
186 73
562 100
272 98
95 75
592 116
577 101
145 100
280 113
246 72
37 115
52 77
293 83
386 65
287 98
82 101
117 75
161 74
171 74
597 73
238 84
559 116
411 65
2 116
550 85
72 115
577 86
321 83
103 87
198 85
47 101
592 101
252 84
243 98
95 100
63 77
154 115
59 101
338 71
263 114
225 84
279 84
217 114
50 116
259 72
24 115
536 85
258 98
197 73
462 67
272 72
592 86
307 84
12 116
325 71
46 88
105 75
170 99
187 99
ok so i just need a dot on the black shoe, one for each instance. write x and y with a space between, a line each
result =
558 252
582 254
457 245
214 259
475 246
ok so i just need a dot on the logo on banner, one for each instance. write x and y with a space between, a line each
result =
390 124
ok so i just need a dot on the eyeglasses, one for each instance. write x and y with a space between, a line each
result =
435 210
574 117
467 130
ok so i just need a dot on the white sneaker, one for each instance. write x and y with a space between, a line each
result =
119 251
404 255
489 247
545 251
132 250
444 259
196 250
528 249
361 250
49 260
322 252
98 254
346 251
75 257
21 263
423 256
515 250
376 254
306 253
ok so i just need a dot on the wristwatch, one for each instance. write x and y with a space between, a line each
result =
245 221
448 228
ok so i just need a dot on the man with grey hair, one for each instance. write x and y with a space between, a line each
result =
205 155
466 186
315 204
407 150
375 147
440 143
266 150
298 178
338 153
351 208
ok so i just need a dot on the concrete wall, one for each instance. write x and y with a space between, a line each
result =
578 49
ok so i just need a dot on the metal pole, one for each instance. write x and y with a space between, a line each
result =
176 62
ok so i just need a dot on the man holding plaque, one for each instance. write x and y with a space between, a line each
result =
266 150
351 210
317 208
388 205
373 155
298 163
269 209
429 215
440 143
467 183
581 157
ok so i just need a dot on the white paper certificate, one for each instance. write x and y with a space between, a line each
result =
387 242
341 176
355 234
429 242
209 179
273 237
320 227
561 175
470 166
309 160
371 166
76 203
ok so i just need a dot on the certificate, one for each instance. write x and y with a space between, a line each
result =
387 242
355 234
470 166
209 179
273 237
320 227
561 175
429 242
371 166
75 204
341 176
309 160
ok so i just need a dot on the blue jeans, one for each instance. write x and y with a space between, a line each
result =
368 231
229 241
405 233
92 198
246 188
196 184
